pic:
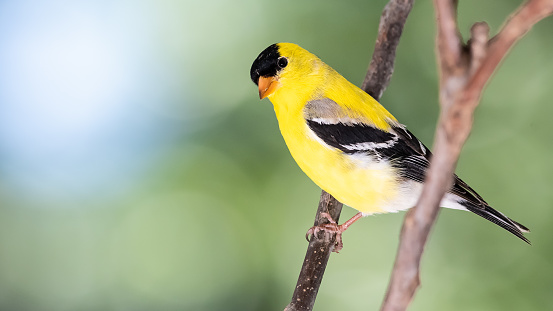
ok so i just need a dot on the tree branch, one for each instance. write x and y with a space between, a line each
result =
378 76
316 258
464 72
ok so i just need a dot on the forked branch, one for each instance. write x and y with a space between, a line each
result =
464 72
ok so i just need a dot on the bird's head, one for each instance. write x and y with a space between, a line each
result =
281 63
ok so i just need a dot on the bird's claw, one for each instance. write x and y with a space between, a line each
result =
329 229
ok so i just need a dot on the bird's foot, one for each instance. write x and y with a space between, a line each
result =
332 228
329 229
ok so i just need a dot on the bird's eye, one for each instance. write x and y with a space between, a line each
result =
282 62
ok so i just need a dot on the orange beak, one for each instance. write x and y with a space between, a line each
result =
267 85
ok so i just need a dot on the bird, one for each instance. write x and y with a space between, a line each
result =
348 144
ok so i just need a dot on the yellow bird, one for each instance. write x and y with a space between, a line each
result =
349 144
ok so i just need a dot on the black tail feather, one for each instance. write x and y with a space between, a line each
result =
521 226
499 219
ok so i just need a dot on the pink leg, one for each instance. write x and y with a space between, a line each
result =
333 227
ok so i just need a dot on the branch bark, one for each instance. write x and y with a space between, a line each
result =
377 79
464 72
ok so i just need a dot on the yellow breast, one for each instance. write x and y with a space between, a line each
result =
357 181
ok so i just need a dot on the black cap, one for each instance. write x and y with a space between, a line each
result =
265 65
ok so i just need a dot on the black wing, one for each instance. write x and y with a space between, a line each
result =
398 146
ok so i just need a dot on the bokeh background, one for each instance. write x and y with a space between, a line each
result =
140 171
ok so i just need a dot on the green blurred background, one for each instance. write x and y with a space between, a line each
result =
140 171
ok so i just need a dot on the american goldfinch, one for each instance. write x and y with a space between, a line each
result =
349 144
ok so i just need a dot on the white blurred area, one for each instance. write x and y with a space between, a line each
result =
74 84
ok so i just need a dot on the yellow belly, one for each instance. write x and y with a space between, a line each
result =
368 186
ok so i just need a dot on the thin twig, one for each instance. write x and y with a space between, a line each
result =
390 29
515 28
378 76
464 72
